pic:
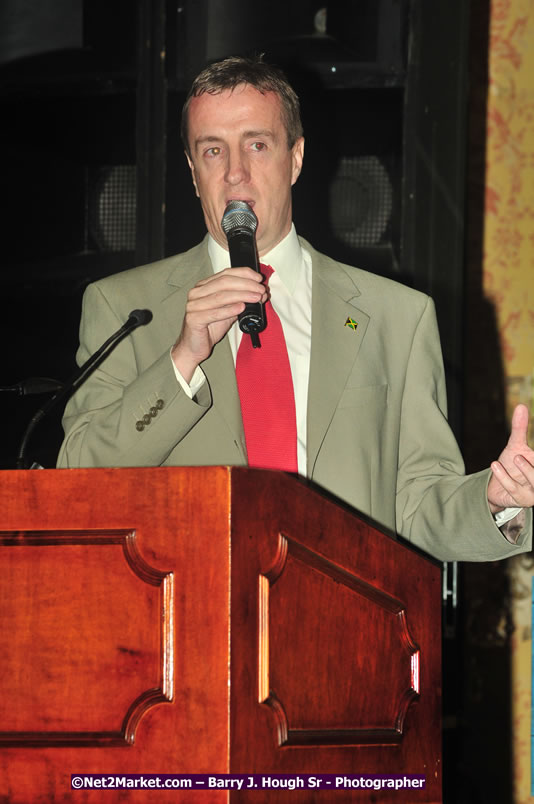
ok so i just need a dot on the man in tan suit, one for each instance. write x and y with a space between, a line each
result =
364 351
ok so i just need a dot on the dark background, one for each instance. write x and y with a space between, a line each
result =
94 181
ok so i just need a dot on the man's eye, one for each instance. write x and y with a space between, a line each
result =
258 146
215 151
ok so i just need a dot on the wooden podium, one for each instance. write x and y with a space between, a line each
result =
208 620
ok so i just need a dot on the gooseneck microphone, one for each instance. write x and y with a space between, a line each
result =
137 318
33 385
239 224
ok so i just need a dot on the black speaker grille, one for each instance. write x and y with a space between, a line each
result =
112 208
361 201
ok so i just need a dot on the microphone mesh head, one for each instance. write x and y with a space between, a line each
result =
141 317
238 215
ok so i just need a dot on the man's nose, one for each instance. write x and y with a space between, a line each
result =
237 169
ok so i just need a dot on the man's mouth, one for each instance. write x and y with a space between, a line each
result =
248 201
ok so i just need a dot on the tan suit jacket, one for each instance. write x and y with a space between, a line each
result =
377 435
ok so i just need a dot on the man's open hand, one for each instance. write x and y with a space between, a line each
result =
512 482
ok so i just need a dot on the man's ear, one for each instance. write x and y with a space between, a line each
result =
297 156
192 169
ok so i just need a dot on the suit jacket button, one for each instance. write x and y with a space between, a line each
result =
146 418
139 426
153 411
159 404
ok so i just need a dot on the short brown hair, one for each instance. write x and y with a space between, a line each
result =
230 73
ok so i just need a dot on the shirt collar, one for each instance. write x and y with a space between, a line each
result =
285 258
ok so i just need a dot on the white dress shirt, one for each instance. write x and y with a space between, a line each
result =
291 288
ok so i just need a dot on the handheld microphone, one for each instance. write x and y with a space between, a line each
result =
137 318
239 224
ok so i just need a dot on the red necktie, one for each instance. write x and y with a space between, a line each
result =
267 397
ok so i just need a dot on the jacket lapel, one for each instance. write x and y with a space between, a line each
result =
334 347
219 367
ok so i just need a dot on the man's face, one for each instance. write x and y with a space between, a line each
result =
239 152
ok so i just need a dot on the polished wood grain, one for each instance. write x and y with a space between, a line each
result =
207 620
88 560
123 663
343 716
347 628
